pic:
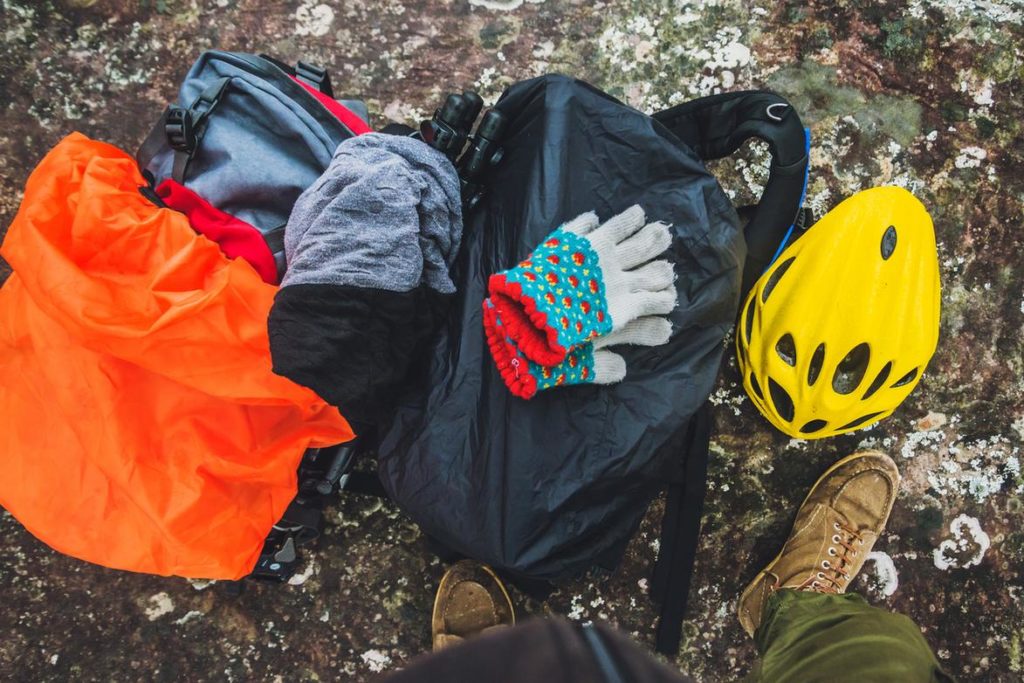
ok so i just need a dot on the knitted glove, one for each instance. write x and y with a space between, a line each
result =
587 363
586 280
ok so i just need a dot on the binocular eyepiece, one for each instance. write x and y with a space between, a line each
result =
449 128
448 131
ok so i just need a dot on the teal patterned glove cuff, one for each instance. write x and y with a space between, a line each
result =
553 300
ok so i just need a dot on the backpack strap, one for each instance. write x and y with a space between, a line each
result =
181 128
603 657
322 473
275 238
313 75
680 531
716 126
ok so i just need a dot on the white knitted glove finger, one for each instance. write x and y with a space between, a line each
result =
583 224
646 244
652 277
612 231
654 303
647 331
609 367
642 303
625 245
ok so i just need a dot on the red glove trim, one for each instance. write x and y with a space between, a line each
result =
516 375
524 323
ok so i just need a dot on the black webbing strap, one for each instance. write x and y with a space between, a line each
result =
182 130
312 75
602 655
275 239
680 531
716 126
149 193
154 142
322 473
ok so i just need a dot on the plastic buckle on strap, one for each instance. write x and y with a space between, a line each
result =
180 129
303 521
805 218
314 76
277 563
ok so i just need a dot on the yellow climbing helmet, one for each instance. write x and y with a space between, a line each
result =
838 331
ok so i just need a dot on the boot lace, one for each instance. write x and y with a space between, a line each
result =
833 574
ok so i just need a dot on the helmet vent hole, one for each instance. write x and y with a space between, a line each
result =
906 379
783 403
816 362
750 319
774 278
880 378
756 387
786 349
888 242
851 369
859 421
813 426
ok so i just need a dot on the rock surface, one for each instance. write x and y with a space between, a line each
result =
924 94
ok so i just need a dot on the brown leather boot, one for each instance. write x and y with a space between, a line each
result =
835 528
471 599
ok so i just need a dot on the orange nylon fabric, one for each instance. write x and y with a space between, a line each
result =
141 427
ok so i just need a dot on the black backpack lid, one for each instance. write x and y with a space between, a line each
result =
541 488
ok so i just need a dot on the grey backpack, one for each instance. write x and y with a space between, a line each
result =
248 134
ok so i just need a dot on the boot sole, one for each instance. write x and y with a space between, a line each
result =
761 575
442 594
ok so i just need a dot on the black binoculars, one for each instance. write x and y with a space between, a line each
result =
449 131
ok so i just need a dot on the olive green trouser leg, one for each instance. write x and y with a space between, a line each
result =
810 637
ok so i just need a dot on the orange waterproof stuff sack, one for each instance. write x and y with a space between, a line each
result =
141 427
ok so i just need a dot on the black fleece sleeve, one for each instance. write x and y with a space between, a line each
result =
351 345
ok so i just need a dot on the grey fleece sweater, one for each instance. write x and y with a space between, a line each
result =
385 214
368 248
